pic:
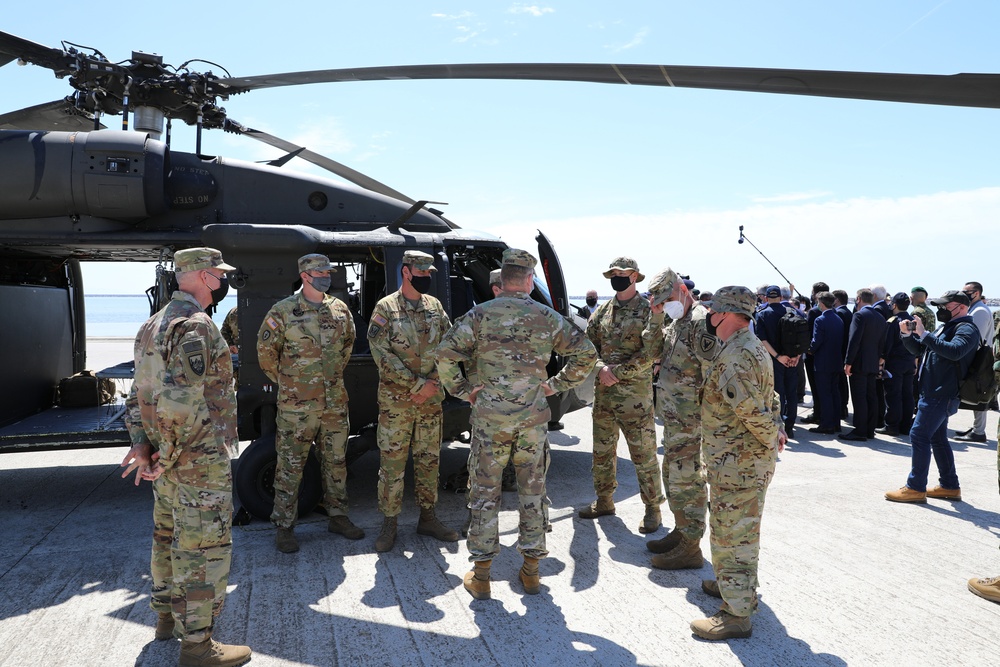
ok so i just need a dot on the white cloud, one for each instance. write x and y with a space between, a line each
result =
533 10
460 16
636 40
848 243
790 197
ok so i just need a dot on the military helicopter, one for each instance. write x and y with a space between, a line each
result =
75 191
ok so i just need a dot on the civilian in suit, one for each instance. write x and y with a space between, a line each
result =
844 313
826 352
862 363
900 366
813 417
884 309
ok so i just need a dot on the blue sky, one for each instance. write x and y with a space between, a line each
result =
845 191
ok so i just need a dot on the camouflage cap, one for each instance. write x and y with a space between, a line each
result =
495 277
662 285
625 264
197 259
315 262
734 299
421 261
516 257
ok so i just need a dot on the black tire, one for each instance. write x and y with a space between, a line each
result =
254 480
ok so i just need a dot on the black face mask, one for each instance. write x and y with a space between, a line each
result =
620 283
220 293
420 283
943 315
591 301
709 327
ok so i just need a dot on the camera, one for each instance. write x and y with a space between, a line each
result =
910 325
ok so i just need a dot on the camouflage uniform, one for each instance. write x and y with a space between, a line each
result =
616 330
182 403
684 347
402 338
231 328
741 418
507 343
304 347
926 316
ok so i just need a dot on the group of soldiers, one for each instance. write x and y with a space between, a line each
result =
715 397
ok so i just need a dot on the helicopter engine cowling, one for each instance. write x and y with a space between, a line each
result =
109 174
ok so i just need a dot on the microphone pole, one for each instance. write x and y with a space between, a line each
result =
743 237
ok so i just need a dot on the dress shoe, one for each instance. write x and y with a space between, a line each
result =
824 431
853 437
971 437
906 495
888 430
942 493
963 433
810 418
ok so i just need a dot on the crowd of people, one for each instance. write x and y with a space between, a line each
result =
728 368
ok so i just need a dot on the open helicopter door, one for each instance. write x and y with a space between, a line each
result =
553 273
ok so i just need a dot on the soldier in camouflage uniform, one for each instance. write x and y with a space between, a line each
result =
918 297
405 328
623 394
506 344
743 434
684 347
303 345
231 330
181 418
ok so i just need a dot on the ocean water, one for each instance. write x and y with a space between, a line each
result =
120 315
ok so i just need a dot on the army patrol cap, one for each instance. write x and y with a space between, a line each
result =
952 296
421 261
662 285
315 262
625 264
734 299
198 259
495 277
516 257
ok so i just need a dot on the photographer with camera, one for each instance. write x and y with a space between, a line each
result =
947 354
898 371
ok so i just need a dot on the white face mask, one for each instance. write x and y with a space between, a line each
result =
674 309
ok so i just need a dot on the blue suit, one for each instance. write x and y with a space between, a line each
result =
826 350
864 347
786 379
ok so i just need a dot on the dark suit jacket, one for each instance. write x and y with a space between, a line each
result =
845 315
864 342
827 343
884 309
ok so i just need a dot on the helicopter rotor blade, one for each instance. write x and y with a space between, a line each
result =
973 90
57 116
12 46
332 166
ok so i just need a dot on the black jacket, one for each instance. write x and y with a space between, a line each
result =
947 355
864 342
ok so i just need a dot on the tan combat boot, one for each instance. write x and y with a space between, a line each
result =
211 653
430 525
711 587
722 626
987 588
341 524
603 506
164 626
652 520
387 538
665 544
285 541
477 582
529 576
685 556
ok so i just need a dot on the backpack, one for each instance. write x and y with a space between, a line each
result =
980 384
794 335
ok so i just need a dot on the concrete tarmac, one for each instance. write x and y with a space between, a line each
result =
846 578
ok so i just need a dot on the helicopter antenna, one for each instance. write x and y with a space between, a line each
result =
410 212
